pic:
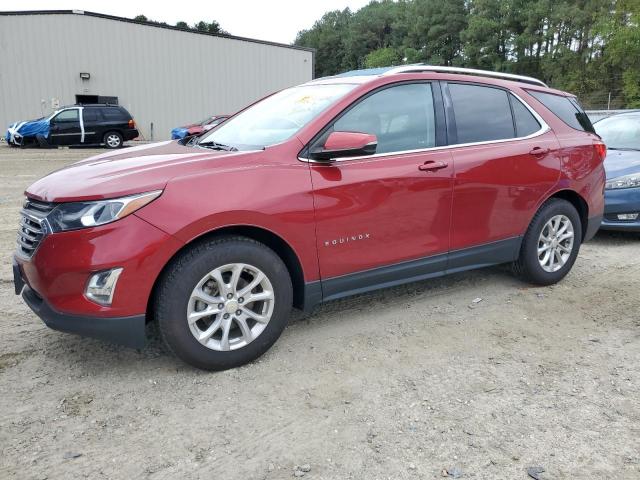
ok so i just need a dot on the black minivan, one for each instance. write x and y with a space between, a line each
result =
94 124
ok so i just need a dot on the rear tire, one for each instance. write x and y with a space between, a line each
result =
551 245
215 276
112 140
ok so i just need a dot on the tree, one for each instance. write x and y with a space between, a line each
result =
202 26
209 27
328 37
382 57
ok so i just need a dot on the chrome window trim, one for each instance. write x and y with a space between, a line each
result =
544 128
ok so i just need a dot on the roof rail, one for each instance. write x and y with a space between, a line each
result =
467 71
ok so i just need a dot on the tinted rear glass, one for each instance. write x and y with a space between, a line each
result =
526 123
114 114
566 109
482 113
90 114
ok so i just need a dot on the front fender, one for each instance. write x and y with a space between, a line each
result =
274 197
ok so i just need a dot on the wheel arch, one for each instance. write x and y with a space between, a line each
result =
259 234
114 130
580 204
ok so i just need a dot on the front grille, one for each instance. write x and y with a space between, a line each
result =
32 228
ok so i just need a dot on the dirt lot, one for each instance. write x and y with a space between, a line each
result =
403 383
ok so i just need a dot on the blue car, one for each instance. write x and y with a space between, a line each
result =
621 134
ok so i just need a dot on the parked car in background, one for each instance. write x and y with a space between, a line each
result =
197 128
335 187
96 124
621 134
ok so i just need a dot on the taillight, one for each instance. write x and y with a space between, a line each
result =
132 124
601 150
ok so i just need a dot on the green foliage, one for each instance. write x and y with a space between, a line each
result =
590 47
209 27
382 57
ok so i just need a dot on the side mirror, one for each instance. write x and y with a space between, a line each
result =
345 144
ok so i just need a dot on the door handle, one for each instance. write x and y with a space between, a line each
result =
538 152
432 166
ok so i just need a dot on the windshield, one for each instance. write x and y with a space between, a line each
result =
276 118
620 132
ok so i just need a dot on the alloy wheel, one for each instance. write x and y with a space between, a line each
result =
555 243
113 141
230 307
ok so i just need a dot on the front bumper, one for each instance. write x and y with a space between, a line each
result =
127 331
624 200
53 281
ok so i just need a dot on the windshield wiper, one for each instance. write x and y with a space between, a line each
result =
217 146
624 148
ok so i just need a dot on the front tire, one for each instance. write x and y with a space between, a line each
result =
223 303
551 245
112 140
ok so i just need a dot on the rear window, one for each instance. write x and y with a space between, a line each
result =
482 113
566 109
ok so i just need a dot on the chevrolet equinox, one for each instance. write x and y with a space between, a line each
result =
335 187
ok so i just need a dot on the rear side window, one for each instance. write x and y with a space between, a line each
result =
482 113
526 124
90 115
566 109
113 114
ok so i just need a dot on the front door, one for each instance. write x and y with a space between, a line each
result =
386 217
65 128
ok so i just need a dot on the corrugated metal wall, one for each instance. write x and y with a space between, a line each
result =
163 76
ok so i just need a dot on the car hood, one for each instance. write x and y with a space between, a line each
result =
621 162
28 128
128 171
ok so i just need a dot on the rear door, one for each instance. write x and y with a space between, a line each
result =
65 128
386 217
91 120
506 160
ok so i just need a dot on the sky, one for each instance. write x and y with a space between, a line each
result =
273 20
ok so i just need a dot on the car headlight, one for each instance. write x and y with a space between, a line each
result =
627 181
76 215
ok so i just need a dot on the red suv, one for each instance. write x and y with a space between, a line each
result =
332 188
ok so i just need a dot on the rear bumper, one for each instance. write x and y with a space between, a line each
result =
130 134
593 224
127 331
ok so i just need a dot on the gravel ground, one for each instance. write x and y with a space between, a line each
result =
411 382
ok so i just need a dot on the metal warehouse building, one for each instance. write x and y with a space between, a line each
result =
164 76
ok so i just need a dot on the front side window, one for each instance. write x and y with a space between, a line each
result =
620 132
482 113
401 117
276 118
566 109
67 116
